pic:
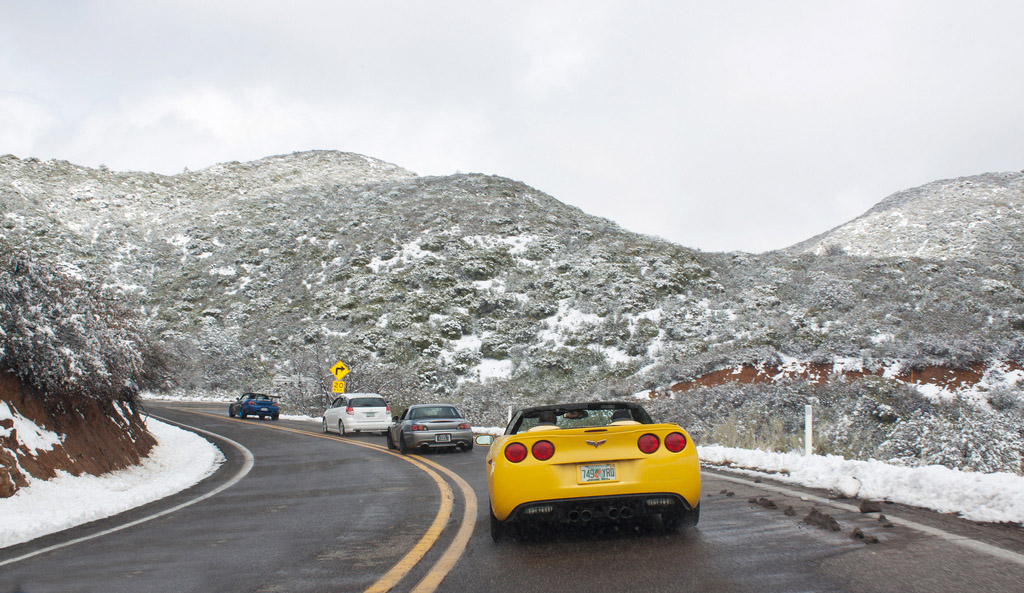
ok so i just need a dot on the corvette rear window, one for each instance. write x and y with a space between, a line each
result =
577 418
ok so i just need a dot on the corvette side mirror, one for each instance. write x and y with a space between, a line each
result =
484 439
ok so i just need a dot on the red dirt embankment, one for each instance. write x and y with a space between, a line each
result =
820 374
95 439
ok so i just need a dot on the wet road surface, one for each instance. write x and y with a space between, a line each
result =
337 513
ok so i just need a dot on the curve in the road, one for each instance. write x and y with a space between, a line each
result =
406 564
247 465
444 564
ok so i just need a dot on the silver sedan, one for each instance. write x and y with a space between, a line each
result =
430 426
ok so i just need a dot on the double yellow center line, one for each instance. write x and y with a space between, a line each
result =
404 566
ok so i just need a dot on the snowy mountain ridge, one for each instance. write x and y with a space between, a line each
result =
976 216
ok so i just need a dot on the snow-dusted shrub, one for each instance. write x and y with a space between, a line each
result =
830 293
1006 399
67 337
482 264
852 418
770 433
495 346
463 360
975 442
452 328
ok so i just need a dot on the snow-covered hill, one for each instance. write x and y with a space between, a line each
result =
967 217
483 290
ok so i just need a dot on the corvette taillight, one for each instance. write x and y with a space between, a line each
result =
417 427
648 443
464 426
543 450
515 452
675 442
349 410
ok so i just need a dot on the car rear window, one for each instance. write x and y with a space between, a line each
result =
367 402
434 412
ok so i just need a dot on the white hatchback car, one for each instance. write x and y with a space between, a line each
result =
357 412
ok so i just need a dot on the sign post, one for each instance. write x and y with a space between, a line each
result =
808 429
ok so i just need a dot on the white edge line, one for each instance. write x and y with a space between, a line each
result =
246 467
960 540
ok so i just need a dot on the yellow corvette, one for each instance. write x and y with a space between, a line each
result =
598 461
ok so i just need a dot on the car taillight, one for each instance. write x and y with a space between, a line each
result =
387 410
349 411
543 450
418 427
675 442
515 452
648 443
464 426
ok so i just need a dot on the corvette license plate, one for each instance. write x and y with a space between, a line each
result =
604 472
264 410
443 438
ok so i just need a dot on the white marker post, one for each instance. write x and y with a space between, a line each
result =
808 423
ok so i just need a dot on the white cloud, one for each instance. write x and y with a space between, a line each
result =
721 126
167 130
22 121
563 42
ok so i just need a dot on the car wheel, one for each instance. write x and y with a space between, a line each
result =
341 428
391 442
402 447
468 448
241 414
262 417
274 417
325 426
231 413
497 529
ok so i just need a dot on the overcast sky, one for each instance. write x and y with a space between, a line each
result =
717 125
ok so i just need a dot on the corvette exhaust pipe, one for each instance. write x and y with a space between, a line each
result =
613 513
574 516
626 513
586 516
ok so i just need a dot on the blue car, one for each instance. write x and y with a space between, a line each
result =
255 404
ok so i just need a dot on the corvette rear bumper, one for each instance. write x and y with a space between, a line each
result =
600 508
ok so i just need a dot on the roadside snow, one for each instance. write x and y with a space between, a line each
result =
182 459
975 496
179 460
29 435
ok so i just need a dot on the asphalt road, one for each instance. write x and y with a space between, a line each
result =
326 513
